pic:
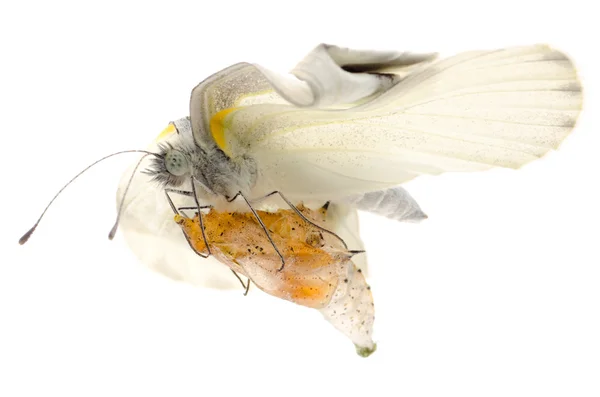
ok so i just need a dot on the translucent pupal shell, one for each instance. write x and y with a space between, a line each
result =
311 274
352 310
318 271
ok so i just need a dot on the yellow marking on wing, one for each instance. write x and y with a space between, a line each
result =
217 129
166 132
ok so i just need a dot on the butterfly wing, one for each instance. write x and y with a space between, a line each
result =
470 112
395 203
329 76
238 85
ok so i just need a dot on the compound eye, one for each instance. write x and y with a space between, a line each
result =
176 163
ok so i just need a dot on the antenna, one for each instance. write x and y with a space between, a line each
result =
27 235
113 231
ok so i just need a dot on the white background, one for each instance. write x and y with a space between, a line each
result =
497 294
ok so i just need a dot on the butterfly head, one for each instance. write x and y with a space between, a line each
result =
172 166
177 154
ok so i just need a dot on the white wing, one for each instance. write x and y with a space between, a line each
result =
329 76
332 76
394 204
470 112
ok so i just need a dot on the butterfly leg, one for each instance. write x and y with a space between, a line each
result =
199 214
198 207
246 286
180 210
301 215
176 191
261 225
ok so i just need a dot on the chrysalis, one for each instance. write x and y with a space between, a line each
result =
319 271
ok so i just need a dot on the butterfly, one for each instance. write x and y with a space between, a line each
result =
349 127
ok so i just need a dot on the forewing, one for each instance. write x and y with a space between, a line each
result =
241 84
329 76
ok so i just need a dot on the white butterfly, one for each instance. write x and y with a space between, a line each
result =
349 127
